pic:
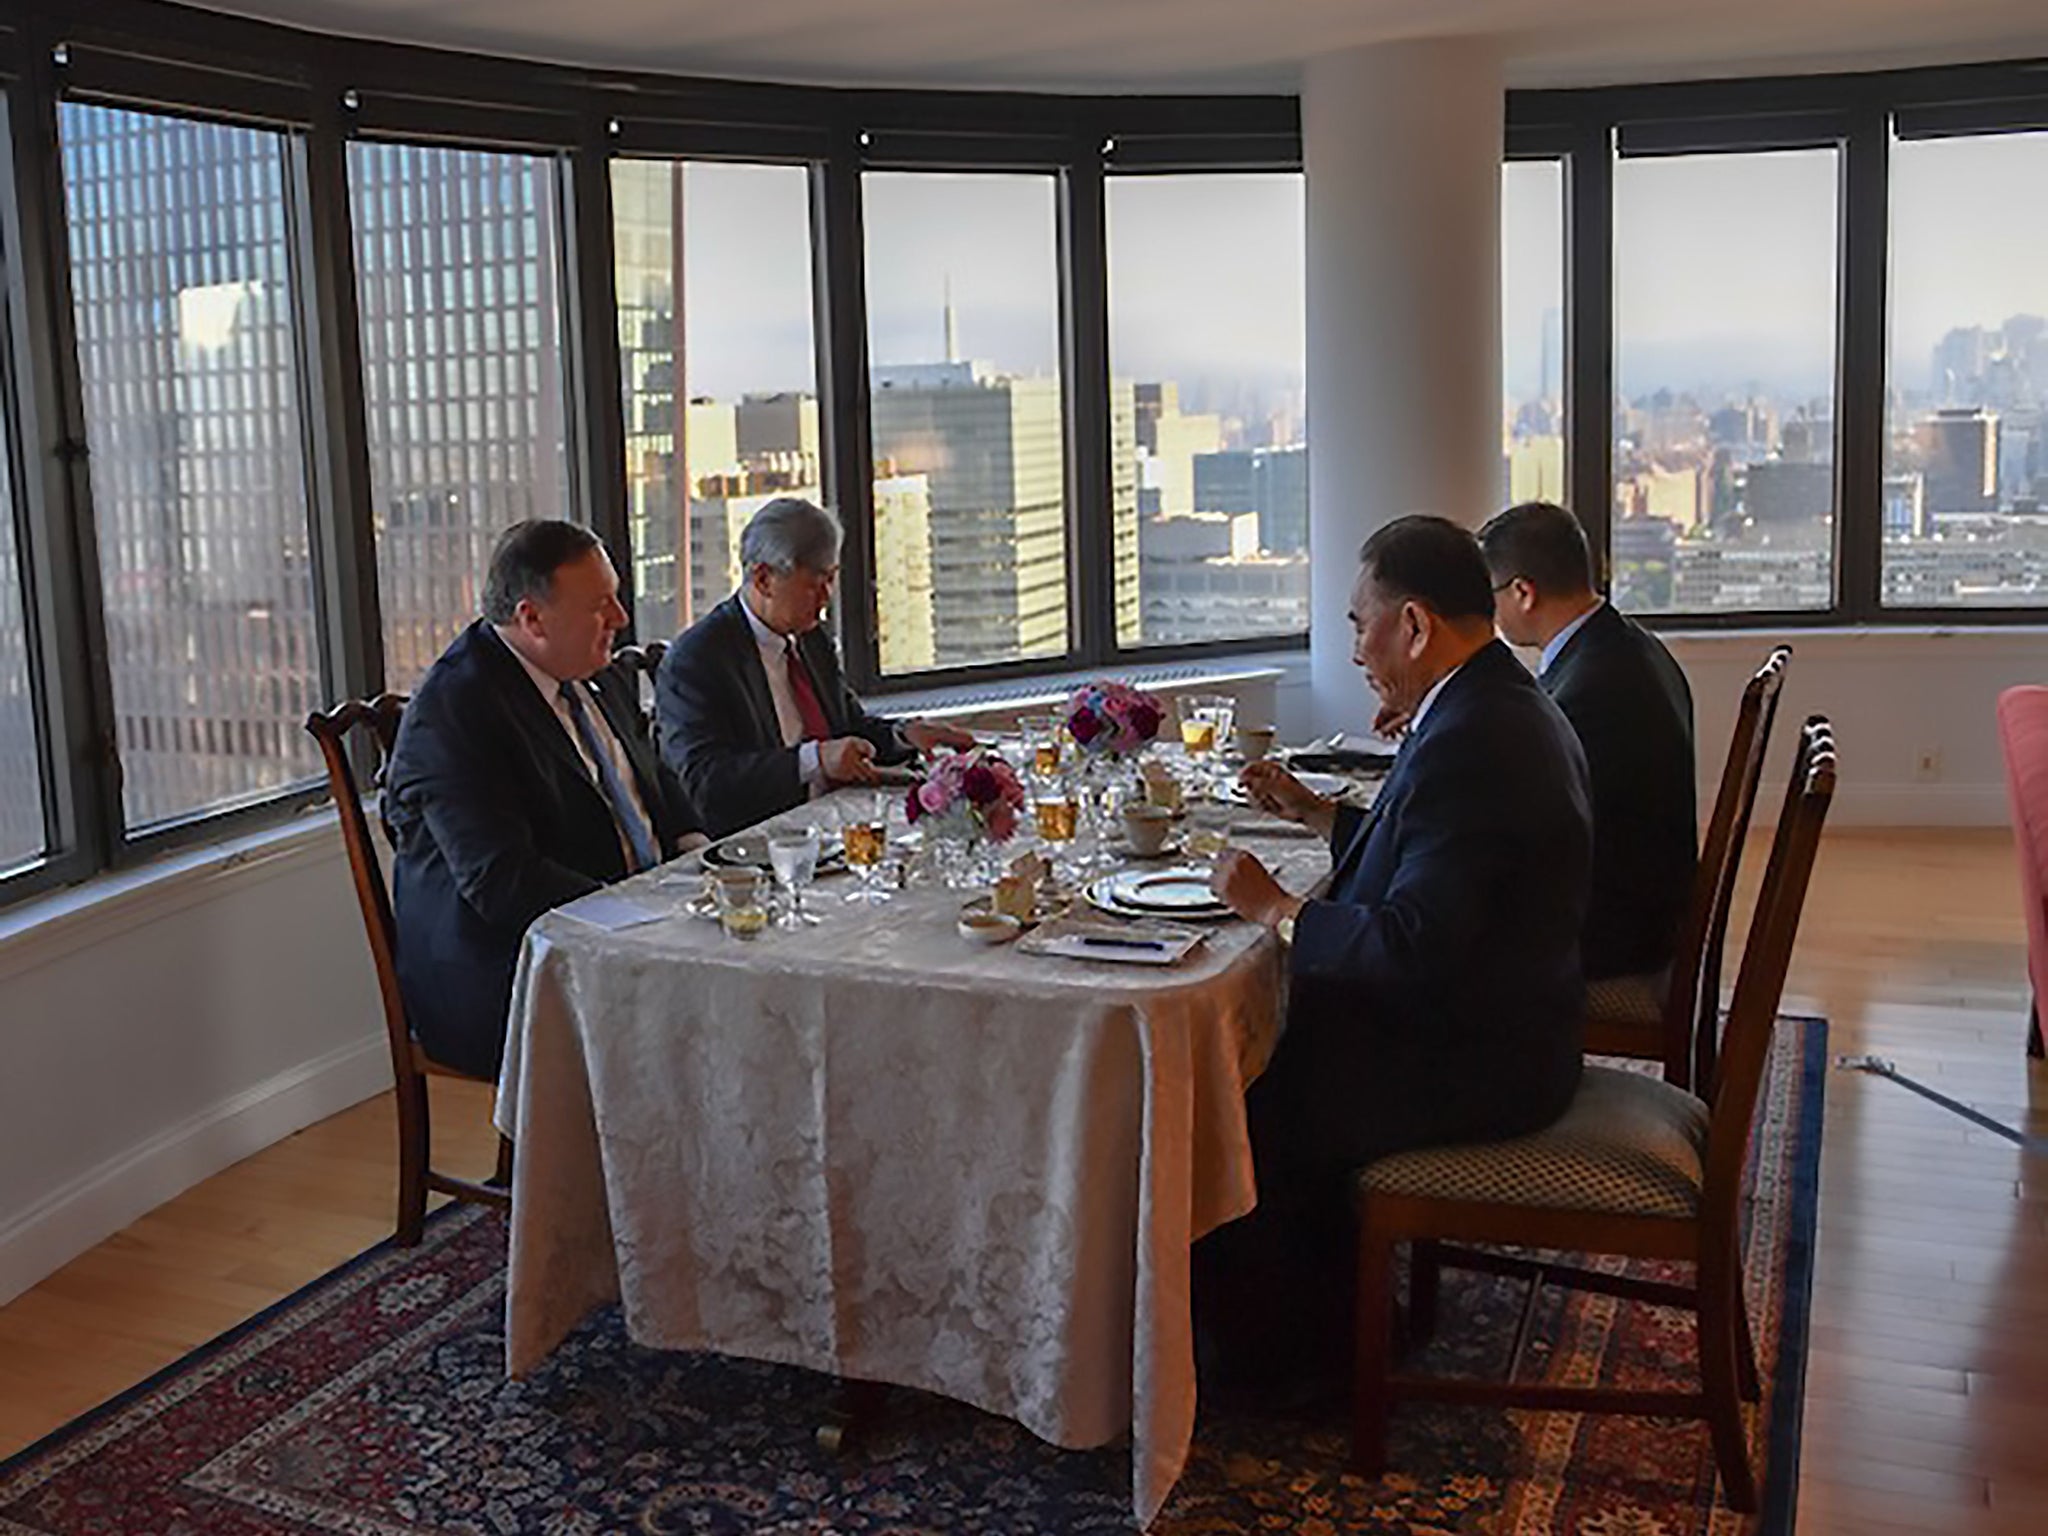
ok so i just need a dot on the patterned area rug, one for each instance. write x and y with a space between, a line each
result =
374 1403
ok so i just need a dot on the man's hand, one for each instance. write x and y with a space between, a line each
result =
848 760
927 734
1279 793
690 842
1244 885
1390 724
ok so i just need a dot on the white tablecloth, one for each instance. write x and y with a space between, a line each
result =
871 1149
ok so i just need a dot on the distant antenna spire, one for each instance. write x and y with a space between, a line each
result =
952 326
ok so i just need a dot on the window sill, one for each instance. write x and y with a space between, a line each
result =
1028 693
46 928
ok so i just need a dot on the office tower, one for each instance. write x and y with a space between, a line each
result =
783 422
182 300
1272 482
990 448
647 213
904 633
1786 494
1959 458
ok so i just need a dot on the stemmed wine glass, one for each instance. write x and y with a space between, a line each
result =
793 853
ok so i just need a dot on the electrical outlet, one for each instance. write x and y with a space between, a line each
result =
1927 765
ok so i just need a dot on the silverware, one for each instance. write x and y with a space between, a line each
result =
1114 941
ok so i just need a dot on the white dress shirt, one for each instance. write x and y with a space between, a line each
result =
1563 637
1429 698
551 691
810 766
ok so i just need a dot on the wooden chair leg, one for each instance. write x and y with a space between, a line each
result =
1718 1380
2034 1029
502 1177
1372 1398
1425 1268
414 1138
856 1409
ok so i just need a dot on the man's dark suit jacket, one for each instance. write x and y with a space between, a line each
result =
496 819
1630 705
717 721
1436 993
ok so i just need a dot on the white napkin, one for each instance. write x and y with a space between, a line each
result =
1118 944
611 911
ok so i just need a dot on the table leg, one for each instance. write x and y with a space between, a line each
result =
855 1411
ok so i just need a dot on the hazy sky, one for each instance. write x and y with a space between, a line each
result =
1724 267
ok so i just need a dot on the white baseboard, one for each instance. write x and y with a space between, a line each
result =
1889 805
94 1206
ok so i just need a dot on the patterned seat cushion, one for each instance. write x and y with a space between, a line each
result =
1631 1144
1634 1000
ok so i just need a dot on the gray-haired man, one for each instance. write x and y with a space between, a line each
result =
754 713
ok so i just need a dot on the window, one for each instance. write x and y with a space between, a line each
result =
189 371
713 272
1532 332
1724 421
969 447
22 834
1966 466
1208 440
446 480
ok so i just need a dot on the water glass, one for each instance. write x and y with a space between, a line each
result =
742 901
1218 711
1197 729
1057 814
1042 743
793 853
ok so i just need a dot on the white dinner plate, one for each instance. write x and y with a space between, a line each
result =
1177 891
749 850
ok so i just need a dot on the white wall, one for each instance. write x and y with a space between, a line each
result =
159 1025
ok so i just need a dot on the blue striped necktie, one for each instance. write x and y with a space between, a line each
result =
630 821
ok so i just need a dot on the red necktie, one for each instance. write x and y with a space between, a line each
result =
808 709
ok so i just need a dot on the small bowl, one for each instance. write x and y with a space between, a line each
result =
985 927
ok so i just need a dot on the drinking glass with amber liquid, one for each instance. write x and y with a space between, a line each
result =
1058 815
864 834
1042 738
1197 729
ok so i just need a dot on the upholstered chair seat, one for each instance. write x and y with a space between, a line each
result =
1630 1145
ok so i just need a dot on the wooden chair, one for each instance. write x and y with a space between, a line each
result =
1637 1167
637 662
1674 1018
417 1178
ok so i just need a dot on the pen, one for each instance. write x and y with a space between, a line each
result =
1112 941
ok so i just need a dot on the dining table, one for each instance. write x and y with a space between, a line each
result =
869 1147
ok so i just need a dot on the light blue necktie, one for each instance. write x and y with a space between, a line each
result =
630 820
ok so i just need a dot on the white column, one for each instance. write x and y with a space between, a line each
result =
1402 147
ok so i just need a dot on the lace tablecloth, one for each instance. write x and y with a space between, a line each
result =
871 1149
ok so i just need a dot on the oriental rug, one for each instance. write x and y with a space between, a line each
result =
374 1403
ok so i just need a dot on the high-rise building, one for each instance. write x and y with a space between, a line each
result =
182 300
1272 482
1959 459
989 446
1779 493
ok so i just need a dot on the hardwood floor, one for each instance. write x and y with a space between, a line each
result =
1927 1403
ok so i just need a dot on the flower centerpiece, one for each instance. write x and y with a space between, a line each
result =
968 799
1112 720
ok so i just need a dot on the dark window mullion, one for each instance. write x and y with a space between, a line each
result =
1589 336
337 442
596 416
1860 381
846 444
61 565
1084 392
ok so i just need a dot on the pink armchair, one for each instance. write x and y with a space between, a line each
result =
2023 732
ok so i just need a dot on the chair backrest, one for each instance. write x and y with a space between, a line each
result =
1692 1004
377 719
1760 984
2023 733
637 662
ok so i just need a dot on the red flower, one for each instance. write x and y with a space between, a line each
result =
979 785
1084 726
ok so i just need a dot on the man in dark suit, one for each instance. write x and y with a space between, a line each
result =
1435 994
1629 702
754 713
522 778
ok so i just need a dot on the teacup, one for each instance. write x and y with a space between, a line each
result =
1147 827
1254 741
